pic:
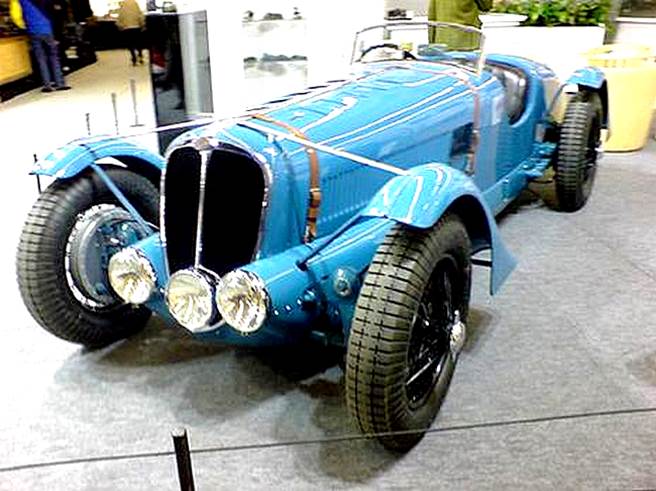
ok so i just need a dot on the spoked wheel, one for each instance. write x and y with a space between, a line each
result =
70 234
432 328
407 331
578 150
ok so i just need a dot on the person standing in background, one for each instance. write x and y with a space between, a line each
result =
131 22
59 19
37 16
464 12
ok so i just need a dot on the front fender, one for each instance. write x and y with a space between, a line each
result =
420 198
74 157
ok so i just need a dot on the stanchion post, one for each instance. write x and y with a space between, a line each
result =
115 109
135 110
38 177
87 117
183 459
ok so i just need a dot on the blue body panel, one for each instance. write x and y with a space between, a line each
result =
410 114
588 77
592 79
422 197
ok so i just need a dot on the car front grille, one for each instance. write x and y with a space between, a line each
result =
180 199
232 210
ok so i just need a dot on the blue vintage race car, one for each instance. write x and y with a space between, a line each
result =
349 213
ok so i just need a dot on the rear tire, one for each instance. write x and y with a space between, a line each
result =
576 160
41 259
400 359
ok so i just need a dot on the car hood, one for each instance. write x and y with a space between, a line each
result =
375 98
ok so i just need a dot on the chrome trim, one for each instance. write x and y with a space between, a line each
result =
162 225
482 58
162 207
207 278
253 279
206 146
267 173
87 302
151 270
206 156
457 336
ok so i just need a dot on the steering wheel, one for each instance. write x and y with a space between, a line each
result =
406 54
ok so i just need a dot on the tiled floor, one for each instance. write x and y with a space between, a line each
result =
572 333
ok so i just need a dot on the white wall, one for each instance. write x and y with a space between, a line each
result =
637 31
561 48
224 32
330 43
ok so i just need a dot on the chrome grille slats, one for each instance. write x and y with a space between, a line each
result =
180 200
235 189
213 204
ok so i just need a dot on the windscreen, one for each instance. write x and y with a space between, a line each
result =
428 41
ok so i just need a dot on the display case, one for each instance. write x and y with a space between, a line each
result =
180 69
275 47
15 56
275 56
14 49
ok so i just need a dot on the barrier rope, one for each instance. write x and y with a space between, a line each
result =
336 439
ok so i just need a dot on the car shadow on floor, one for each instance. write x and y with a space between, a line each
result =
357 461
158 344
208 385
201 383
539 194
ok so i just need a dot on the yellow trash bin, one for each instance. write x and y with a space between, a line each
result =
631 74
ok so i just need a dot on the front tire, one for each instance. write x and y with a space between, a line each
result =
401 354
48 282
576 160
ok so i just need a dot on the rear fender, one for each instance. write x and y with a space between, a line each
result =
78 155
422 197
590 79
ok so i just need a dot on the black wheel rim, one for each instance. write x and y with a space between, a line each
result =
429 346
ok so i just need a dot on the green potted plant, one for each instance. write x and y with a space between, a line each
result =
558 12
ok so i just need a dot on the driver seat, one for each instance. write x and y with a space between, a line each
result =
515 85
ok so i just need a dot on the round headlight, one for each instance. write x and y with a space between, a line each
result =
242 300
132 276
189 298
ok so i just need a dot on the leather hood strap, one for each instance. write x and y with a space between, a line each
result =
314 199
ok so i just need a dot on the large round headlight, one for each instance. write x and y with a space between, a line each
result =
189 296
242 300
132 276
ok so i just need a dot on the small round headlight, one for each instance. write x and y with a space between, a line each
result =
242 300
132 276
189 296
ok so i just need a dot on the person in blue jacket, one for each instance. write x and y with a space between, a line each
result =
37 15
